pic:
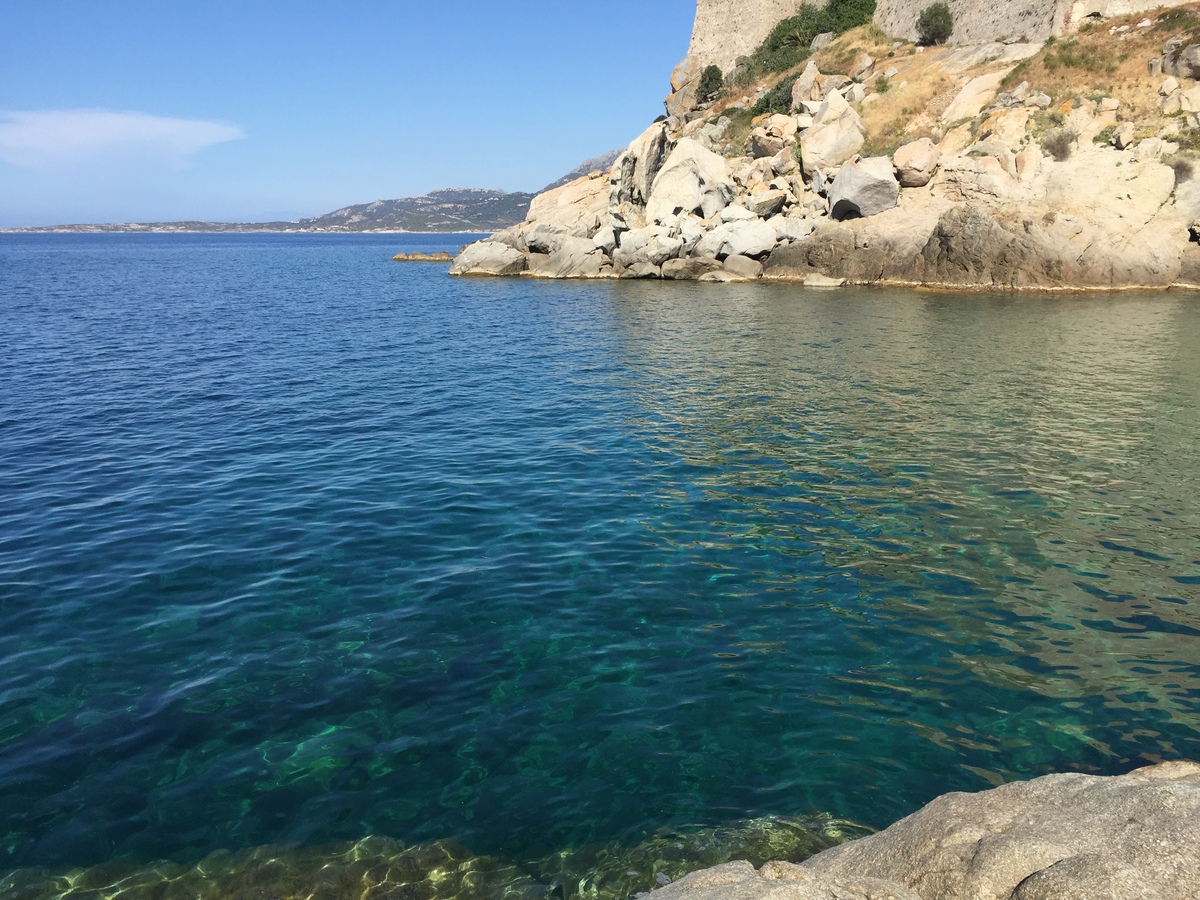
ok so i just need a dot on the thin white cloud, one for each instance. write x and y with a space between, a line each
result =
51 137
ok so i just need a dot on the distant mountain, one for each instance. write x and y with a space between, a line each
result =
596 163
452 209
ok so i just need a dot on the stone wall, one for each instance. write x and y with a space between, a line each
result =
727 29
978 22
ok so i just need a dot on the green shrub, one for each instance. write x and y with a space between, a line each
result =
712 79
776 100
882 84
935 24
1106 135
788 43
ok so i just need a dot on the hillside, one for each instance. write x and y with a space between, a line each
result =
448 210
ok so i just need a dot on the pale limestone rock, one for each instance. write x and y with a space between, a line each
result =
817 280
580 206
965 179
720 275
956 140
821 41
788 228
641 269
743 266
1124 136
915 162
863 187
1006 127
488 258
861 67
805 86
975 95
605 239
775 881
1189 100
761 144
654 244
693 179
835 136
573 257
1059 837
543 237
633 173
749 238
735 212
767 203
1029 163
689 269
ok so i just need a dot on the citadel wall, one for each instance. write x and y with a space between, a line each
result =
727 29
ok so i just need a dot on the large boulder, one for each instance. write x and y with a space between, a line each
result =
915 162
776 881
634 171
805 87
580 206
750 237
1060 837
573 257
654 244
692 180
690 269
835 136
863 187
488 258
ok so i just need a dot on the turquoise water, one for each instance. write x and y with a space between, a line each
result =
301 545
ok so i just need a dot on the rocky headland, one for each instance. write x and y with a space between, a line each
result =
1062 163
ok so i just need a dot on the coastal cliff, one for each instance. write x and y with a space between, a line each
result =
1063 163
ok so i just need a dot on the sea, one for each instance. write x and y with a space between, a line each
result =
314 562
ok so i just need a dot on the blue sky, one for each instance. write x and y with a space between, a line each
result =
126 110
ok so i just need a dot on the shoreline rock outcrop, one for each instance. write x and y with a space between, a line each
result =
1058 837
984 184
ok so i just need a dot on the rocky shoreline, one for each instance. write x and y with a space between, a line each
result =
1059 837
993 182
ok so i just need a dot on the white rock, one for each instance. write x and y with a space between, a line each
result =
863 187
692 180
975 95
915 162
743 266
489 258
735 212
836 135
749 238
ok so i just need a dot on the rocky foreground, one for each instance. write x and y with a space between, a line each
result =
1060 837
993 184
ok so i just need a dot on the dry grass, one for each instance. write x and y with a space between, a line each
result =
837 58
1094 62
909 110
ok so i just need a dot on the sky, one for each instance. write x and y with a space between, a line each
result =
129 110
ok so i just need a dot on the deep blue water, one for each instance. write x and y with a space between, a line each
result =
298 544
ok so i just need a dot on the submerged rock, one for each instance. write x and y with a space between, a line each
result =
778 881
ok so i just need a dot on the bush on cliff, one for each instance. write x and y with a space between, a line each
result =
712 79
935 24
778 99
788 43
